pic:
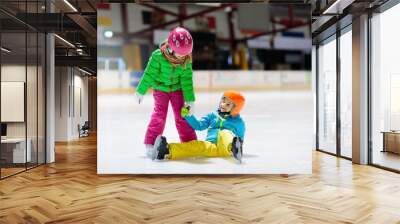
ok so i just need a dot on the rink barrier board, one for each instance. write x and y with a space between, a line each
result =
220 89
114 81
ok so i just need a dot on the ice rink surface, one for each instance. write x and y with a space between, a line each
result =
279 135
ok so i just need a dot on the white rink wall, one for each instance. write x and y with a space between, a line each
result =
250 79
115 81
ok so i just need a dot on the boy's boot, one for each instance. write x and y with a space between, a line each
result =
237 149
161 148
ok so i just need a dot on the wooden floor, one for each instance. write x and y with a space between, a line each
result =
10 171
70 191
387 159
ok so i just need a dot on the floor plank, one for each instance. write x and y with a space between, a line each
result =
70 191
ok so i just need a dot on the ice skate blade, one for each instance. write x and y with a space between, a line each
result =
239 158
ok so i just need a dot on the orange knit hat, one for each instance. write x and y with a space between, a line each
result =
237 98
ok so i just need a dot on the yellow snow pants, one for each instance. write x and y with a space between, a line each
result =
203 148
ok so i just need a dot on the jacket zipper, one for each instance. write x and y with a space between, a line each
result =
220 124
172 78
222 121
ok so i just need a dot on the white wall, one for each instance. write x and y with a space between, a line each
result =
18 73
80 109
13 101
12 73
33 125
70 83
61 82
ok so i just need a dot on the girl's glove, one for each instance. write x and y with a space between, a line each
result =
139 97
184 112
187 109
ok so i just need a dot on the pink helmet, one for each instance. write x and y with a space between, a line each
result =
180 41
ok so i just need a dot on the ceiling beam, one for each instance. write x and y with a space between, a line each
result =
162 25
270 32
91 5
82 61
84 24
160 9
284 29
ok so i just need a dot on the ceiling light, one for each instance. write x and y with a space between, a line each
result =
65 41
108 34
84 71
5 50
338 6
70 5
209 4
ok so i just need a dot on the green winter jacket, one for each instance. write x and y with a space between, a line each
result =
161 75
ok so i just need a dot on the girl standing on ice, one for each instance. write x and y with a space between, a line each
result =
169 74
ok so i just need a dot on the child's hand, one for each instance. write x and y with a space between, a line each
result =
139 97
189 105
185 111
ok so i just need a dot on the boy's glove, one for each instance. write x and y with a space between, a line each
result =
187 109
139 97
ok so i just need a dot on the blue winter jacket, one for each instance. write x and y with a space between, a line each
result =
215 122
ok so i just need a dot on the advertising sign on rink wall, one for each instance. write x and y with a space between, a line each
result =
215 80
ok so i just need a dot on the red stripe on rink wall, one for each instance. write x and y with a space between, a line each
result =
103 6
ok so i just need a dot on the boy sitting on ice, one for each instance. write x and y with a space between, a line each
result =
224 136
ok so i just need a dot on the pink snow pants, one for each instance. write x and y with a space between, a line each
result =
159 115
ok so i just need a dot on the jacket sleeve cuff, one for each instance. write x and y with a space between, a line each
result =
141 91
189 98
192 121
